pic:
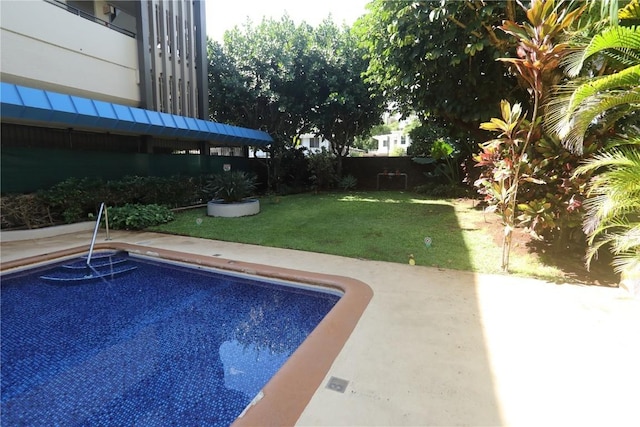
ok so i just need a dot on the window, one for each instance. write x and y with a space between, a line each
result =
403 140
314 142
385 142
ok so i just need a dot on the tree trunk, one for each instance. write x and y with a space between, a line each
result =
506 249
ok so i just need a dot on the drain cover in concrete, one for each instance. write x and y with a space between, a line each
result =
337 384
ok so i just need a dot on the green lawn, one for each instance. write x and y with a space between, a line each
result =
385 226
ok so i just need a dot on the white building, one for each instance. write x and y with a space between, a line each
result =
111 76
392 144
313 143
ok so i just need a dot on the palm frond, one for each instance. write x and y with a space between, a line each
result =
573 129
628 240
620 58
620 153
631 11
626 262
594 247
624 39
611 214
629 77
612 208
623 255
619 176
571 95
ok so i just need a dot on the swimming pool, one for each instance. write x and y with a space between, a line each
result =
124 371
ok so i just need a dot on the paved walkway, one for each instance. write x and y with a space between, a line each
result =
441 347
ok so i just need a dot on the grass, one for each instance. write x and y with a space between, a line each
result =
383 226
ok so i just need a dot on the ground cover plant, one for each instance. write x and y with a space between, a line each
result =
383 226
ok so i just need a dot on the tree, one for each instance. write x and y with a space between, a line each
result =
291 79
438 58
259 77
228 88
348 106
263 77
380 129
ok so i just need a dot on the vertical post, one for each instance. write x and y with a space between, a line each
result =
106 222
95 233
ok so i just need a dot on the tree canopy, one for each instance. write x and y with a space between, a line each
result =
289 79
439 58
260 77
348 106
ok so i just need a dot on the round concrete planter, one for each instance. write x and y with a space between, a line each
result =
231 210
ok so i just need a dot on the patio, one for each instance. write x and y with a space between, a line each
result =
443 347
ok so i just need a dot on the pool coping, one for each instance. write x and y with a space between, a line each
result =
283 399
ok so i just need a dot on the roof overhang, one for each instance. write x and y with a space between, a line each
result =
42 107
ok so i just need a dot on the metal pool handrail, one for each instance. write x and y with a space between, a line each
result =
95 233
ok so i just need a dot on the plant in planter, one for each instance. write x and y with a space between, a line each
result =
229 192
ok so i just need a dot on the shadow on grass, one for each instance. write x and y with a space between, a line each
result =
571 262
568 263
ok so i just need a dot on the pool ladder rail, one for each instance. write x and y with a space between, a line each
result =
106 267
95 230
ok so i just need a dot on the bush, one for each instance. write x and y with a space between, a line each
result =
74 198
348 182
23 210
138 217
322 166
293 173
174 191
230 186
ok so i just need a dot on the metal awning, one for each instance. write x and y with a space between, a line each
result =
44 107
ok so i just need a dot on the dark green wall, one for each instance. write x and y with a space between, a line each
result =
25 170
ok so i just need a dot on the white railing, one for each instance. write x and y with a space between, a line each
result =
95 231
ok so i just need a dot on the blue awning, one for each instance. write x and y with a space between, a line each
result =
46 107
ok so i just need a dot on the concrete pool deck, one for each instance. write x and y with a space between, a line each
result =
443 347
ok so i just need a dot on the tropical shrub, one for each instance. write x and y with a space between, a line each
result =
605 101
73 198
232 187
613 205
452 191
506 159
348 182
323 169
293 173
551 205
445 157
173 191
138 217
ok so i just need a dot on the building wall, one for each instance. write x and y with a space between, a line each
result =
318 144
172 45
389 144
46 47
158 62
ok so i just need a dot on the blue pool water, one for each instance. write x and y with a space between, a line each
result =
156 345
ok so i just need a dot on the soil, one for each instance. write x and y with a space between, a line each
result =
570 261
